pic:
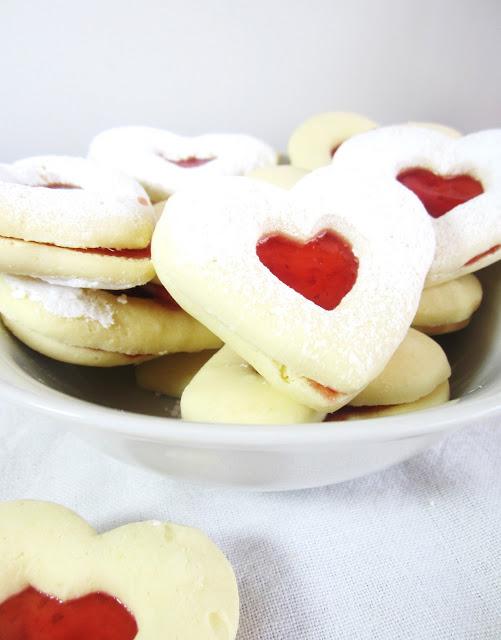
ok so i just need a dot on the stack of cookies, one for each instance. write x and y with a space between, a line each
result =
300 292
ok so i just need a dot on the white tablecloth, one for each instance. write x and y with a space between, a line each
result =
410 553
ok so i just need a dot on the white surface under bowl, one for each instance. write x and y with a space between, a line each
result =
106 408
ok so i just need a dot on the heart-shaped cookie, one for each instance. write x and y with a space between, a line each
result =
164 162
148 580
458 181
321 312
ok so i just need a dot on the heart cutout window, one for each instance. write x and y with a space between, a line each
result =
323 269
439 194
31 615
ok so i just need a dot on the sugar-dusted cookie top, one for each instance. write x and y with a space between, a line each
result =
73 202
307 285
164 162
458 181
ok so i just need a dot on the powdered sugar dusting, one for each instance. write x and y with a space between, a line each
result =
468 229
107 209
63 302
151 156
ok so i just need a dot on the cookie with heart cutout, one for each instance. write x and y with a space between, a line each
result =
171 374
227 389
458 182
306 285
281 175
314 143
141 323
449 306
74 222
164 162
142 581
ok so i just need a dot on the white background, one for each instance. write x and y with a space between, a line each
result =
69 69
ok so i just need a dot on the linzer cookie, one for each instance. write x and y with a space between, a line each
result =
142 581
73 222
458 182
314 143
449 306
164 162
99 328
305 285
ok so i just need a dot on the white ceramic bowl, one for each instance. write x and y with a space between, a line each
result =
106 408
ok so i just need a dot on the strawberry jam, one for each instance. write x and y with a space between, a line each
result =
323 270
190 162
440 194
31 615
489 252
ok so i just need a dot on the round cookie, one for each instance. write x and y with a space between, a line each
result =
164 162
171 374
448 306
82 356
228 390
322 329
72 220
281 175
458 182
440 395
315 141
149 580
415 370
123 324
442 128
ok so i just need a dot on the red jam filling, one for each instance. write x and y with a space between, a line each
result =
440 194
489 252
323 270
334 149
328 392
190 162
138 254
58 185
31 615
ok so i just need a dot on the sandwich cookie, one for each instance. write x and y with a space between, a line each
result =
73 222
314 143
142 581
458 181
305 285
449 306
139 324
415 378
164 162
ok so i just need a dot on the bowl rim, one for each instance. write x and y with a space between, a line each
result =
87 415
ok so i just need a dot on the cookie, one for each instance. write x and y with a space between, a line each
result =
72 221
458 182
449 306
227 389
306 285
164 162
142 581
120 324
281 175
